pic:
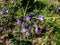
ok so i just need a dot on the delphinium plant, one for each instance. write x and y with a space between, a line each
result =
22 24
44 31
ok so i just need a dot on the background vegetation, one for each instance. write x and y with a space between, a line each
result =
11 10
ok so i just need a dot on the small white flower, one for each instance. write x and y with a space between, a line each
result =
27 33
7 11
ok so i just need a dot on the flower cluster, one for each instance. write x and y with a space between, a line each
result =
28 18
28 28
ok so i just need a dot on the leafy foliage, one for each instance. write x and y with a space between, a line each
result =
32 14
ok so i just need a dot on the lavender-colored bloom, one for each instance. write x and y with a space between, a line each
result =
27 18
38 30
18 22
23 30
36 27
28 31
41 18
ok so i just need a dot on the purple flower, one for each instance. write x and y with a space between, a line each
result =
41 18
27 18
18 22
23 30
38 30
36 27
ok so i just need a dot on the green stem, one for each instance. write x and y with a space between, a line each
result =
26 8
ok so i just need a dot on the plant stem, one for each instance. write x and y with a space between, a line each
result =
26 8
